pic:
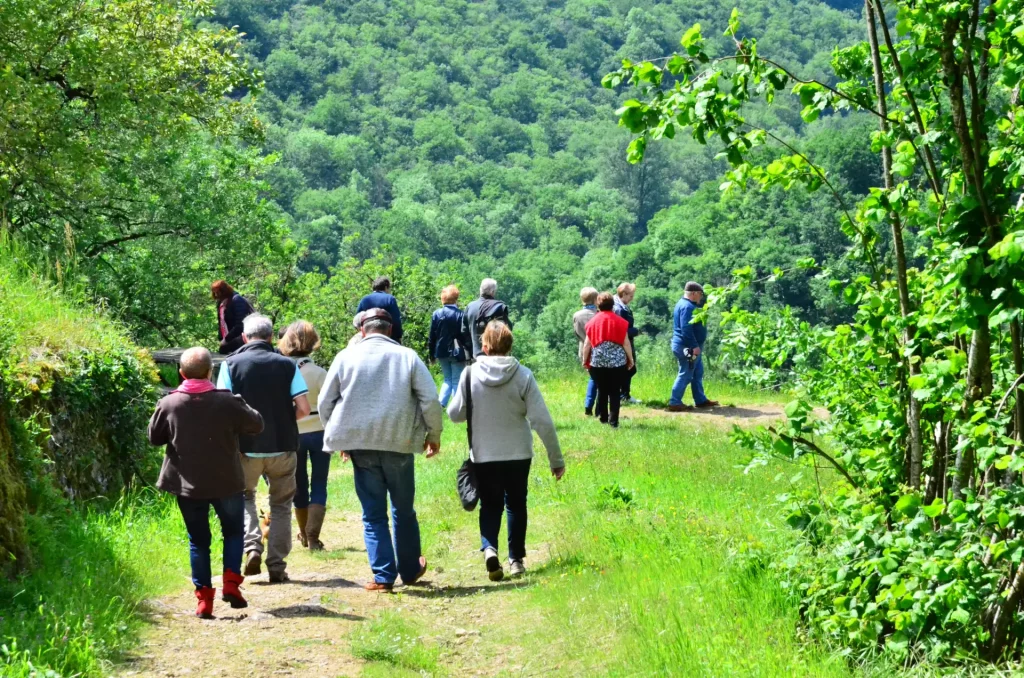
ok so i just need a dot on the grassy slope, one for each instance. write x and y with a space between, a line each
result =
662 585
656 584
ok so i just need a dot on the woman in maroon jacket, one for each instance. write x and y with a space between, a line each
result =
609 357
202 466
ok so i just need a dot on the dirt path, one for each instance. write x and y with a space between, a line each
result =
303 627
306 627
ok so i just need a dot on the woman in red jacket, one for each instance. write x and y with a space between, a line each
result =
609 357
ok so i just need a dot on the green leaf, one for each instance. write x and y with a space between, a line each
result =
691 37
908 504
935 509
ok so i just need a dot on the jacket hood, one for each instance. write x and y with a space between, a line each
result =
495 370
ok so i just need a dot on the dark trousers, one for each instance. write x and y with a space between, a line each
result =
502 487
311 488
609 382
196 513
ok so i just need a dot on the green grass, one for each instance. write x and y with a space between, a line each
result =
395 641
76 610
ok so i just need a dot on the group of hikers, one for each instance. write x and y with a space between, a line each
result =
275 414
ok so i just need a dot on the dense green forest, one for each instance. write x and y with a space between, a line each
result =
477 134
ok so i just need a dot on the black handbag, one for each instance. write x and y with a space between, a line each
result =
466 477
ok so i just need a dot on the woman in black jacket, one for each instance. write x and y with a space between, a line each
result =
232 308
448 342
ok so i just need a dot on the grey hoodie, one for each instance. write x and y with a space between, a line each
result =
507 403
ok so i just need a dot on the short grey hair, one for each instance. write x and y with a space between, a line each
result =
256 326
377 326
488 287
588 295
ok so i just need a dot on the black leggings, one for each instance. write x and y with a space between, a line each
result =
609 382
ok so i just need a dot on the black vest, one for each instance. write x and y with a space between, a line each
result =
263 378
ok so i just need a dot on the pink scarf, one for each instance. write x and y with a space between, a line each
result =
195 386
220 316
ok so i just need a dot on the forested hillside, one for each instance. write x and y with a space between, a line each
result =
478 133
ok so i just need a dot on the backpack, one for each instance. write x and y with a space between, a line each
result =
490 309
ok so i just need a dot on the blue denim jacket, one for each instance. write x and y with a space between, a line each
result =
448 338
684 333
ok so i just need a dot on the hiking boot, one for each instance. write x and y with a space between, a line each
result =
679 408
313 526
589 411
229 592
493 565
516 568
379 586
706 404
252 564
205 597
279 577
301 518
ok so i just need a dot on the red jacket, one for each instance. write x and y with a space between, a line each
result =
606 326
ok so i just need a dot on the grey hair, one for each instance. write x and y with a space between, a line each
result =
196 363
588 295
377 326
258 326
488 287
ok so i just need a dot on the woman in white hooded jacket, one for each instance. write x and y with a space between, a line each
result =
507 403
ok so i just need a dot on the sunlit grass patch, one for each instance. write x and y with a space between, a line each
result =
395 640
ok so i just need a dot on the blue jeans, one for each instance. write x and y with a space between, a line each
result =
451 371
591 397
311 490
196 513
377 475
689 376
502 488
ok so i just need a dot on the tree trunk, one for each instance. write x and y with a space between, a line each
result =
979 385
916 449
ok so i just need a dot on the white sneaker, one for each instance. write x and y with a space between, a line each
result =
633 401
493 565
516 568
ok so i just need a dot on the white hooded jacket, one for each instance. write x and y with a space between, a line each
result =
507 403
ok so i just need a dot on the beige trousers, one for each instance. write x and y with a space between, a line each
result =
280 474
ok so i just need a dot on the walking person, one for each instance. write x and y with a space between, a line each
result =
624 296
482 311
232 309
588 297
608 356
448 342
381 297
506 404
273 385
299 341
379 407
202 467
688 339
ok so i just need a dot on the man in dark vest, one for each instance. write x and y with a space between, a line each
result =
482 311
273 386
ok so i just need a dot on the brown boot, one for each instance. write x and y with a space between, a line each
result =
313 525
301 516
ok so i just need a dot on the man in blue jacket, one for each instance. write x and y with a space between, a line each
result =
688 340
381 298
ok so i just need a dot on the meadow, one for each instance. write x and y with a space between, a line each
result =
649 558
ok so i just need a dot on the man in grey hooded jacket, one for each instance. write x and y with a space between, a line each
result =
379 407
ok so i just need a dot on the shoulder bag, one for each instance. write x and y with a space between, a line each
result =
466 481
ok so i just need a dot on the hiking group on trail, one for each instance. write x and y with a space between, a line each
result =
275 414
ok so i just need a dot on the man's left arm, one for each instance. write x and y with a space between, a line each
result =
426 393
298 392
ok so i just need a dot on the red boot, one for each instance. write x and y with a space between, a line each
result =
230 593
205 597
